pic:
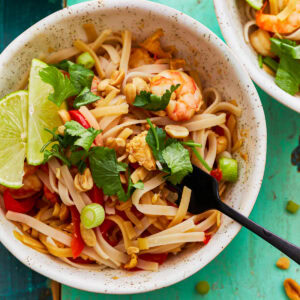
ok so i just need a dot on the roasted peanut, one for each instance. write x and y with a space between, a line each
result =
117 78
221 144
140 85
176 131
292 289
283 263
84 182
130 92
61 130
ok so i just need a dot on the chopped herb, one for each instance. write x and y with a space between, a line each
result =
178 160
77 82
106 172
75 137
62 86
173 157
270 62
260 60
153 102
85 97
85 137
191 144
201 159
288 71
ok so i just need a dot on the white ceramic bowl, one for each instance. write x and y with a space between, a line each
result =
231 18
219 68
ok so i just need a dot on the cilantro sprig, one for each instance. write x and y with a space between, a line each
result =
288 70
76 138
149 101
77 82
106 171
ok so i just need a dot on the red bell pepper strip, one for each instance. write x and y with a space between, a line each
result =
78 117
80 260
160 258
105 227
52 197
97 195
207 239
77 243
21 206
217 173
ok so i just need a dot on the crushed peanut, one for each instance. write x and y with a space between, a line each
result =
292 289
84 182
283 263
88 236
139 174
176 131
132 263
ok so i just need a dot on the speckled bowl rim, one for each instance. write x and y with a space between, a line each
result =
257 74
159 9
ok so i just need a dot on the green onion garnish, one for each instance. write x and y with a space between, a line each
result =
154 133
85 60
292 207
260 60
92 215
229 168
202 287
201 159
191 144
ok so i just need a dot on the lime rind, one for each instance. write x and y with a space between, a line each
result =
42 113
256 4
13 138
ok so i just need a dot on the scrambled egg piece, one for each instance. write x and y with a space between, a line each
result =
139 57
140 152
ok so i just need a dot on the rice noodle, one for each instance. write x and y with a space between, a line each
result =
246 30
151 69
92 267
89 117
45 179
205 123
112 52
126 37
147 265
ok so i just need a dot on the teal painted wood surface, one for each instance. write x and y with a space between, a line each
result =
16 280
246 269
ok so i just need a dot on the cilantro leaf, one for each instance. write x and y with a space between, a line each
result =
153 102
156 139
85 97
77 158
64 65
85 136
178 160
106 171
56 151
288 75
285 47
63 88
80 77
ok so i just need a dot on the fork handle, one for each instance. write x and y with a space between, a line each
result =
284 246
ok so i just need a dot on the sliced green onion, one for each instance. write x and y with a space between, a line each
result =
92 215
229 167
260 61
154 133
201 159
191 144
271 63
292 207
285 46
85 60
202 287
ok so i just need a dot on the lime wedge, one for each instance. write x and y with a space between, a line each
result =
256 4
13 136
42 113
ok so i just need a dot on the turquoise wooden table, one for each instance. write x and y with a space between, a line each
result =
246 268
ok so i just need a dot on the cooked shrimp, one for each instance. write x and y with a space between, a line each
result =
185 101
273 23
31 184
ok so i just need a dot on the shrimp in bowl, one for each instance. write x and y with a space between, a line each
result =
185 101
